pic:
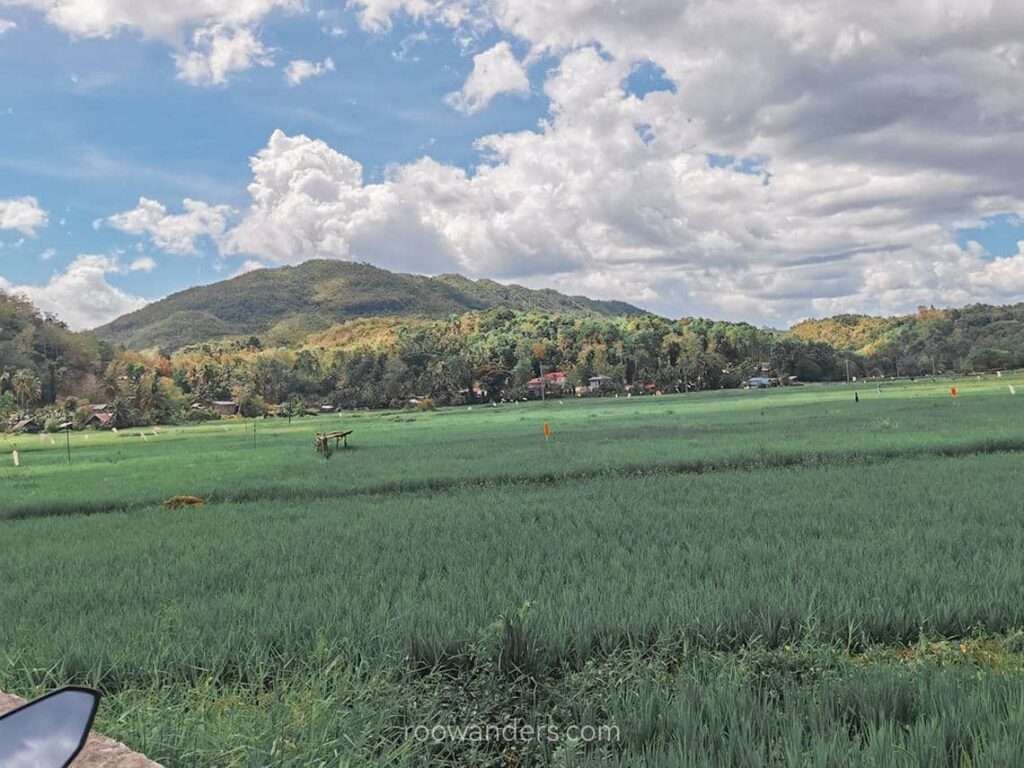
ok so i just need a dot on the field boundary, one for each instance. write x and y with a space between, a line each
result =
449 484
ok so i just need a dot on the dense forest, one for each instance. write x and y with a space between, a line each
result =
475 356
284 305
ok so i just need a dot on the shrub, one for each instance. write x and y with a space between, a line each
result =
251 405
197 415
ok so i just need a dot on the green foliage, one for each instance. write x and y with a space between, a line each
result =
54 423
40 359
979 337
287 304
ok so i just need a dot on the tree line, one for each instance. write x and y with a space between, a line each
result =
474 357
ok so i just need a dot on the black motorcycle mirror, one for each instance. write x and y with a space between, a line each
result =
48 732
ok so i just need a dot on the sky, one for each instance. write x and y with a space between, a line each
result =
765 160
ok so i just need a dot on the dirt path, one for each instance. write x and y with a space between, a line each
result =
99 752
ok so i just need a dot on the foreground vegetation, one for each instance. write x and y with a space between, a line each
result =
782 578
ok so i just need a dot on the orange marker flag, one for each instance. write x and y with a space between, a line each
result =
952 391
547 430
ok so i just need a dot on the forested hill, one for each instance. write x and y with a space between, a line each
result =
39 357
971 338
367 353
284 305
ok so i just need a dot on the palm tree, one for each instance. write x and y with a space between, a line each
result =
26 387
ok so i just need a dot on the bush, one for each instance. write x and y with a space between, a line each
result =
426 404
251 406
82 415
53 424
197 415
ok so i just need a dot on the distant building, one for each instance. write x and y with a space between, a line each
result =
600 383
29 426
225 407
100 420
762 382
551 382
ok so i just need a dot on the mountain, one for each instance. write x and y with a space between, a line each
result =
977 337
288 303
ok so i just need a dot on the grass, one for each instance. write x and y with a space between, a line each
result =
408 452
780 578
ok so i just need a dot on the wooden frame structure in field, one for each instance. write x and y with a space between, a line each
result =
323 442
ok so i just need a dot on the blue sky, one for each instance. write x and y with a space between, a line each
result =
754 163
90 125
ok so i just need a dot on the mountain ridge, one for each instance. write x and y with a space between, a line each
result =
285 304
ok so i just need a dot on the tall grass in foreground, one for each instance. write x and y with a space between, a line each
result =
791 614
847 554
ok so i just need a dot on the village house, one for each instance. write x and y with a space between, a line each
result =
99 420
28 426
222 407
552 382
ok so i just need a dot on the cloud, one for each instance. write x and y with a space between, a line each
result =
404 52
303 69
155 19
175 233
6 25
860 137
495 71
143 264
249 265
219 51
376 15
81 295
221 33
22 214
309 201
863 135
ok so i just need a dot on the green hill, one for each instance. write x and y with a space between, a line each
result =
286 304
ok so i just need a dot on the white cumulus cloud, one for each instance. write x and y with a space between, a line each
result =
22 214
213 38
6 25
814 157
81 296
173 232
495 71
299 70
219 51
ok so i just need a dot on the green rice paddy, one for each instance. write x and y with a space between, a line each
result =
770 578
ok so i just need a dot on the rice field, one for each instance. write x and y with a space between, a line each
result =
773 578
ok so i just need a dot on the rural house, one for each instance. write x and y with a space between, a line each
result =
551 382
100 420
223 407
29 426
600 383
